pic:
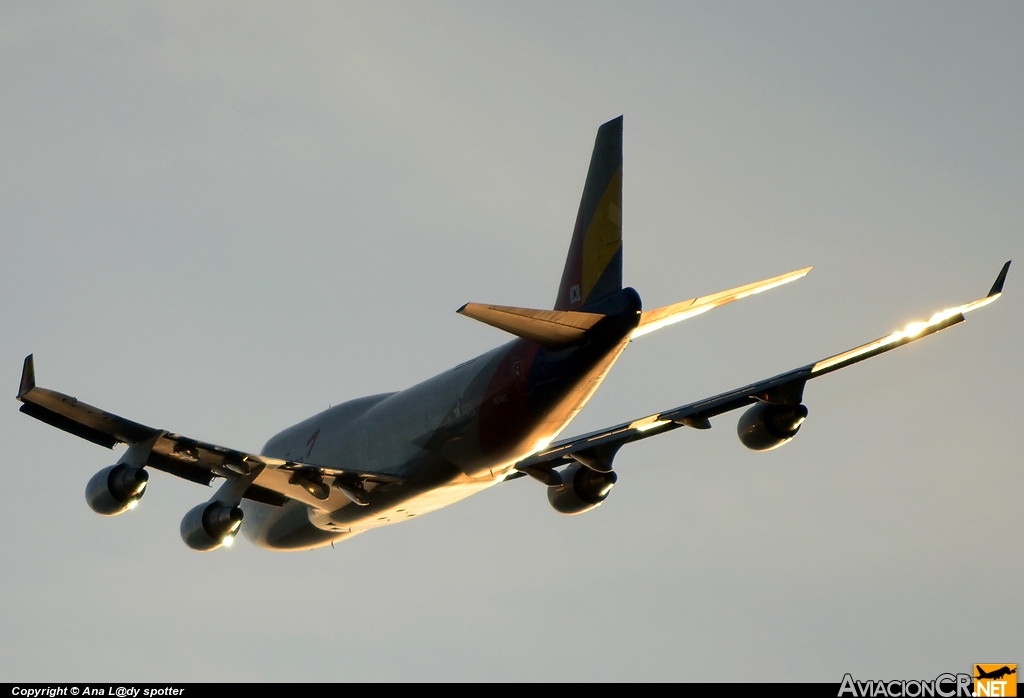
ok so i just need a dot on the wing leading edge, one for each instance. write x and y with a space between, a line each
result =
198 461
786 388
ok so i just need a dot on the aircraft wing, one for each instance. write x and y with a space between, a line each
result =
597 448
191 459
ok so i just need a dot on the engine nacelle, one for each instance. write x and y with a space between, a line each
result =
116 489
581 490
211 525
764 427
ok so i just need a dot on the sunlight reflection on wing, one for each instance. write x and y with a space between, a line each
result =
909 332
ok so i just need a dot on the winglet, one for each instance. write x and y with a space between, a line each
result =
28 376
997 287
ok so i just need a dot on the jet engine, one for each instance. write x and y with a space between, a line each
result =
211 525
116 489
764 427
581 490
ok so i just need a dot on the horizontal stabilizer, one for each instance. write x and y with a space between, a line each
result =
552 328
651 320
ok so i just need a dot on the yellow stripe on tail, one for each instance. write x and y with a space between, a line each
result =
593 267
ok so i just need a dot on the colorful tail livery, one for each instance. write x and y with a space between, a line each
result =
593 268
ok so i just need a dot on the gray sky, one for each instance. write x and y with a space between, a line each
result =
220 218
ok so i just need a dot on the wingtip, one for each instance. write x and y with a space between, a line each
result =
28 376
997 287
461 310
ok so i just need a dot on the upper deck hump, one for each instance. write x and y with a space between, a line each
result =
291 442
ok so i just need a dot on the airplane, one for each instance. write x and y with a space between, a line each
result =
995 674
387 458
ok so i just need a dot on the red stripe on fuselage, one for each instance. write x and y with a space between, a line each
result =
506 420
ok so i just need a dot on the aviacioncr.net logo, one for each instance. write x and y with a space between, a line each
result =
995 680
942 686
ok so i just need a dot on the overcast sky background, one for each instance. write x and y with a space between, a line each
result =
219 219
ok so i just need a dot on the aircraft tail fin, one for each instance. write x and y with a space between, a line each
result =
593 267
552 328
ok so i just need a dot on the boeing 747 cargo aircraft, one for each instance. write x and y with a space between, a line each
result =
387 458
